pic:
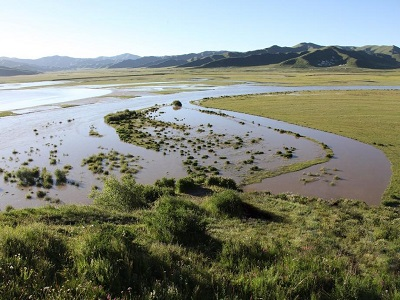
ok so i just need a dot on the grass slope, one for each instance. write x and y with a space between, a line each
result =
371 117
224 246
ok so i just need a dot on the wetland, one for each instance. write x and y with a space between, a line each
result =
82 137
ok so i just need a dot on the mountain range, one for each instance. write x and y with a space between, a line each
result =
303 55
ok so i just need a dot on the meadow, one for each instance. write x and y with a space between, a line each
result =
163 242
221 76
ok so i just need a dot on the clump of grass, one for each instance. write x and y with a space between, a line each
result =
175 220
223 182
165 182
61 176
41 194
124 195
242 257
227 203
34 176
185 185
177 103
94 132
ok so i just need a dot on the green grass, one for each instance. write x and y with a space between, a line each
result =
368 116
222 76
6 114
228 245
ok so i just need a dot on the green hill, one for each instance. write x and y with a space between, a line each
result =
336 56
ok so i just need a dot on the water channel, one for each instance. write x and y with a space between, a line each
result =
41 128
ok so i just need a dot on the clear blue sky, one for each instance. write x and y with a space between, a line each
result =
91 28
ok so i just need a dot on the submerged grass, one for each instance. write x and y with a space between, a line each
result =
371 117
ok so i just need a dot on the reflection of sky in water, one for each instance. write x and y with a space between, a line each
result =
18 99
15 86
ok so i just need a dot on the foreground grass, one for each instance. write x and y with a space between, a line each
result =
226 245
371 117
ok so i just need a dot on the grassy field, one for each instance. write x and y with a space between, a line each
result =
222 76
371 117
227 245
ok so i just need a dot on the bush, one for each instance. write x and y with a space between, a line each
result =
45 179
185 185
226 203
124 195
175 220
61 176
177 103
227 183
165 182
151 193
40 194
27 176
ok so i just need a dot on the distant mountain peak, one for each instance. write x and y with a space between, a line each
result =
308 45
302 55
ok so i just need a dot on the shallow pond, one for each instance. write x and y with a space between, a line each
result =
35 136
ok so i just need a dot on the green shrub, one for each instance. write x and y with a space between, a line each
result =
61 176
165 182
124 195
228 183
27 176
151 192
41 194
45 179
175 220
226 203
177 103
185 185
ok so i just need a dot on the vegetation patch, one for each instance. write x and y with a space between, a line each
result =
93 132
6 114
113 161
284 246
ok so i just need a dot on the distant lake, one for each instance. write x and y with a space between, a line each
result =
19 98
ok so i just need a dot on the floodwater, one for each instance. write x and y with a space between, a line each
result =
25 98
357 171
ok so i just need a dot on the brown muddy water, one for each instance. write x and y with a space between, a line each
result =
40 133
